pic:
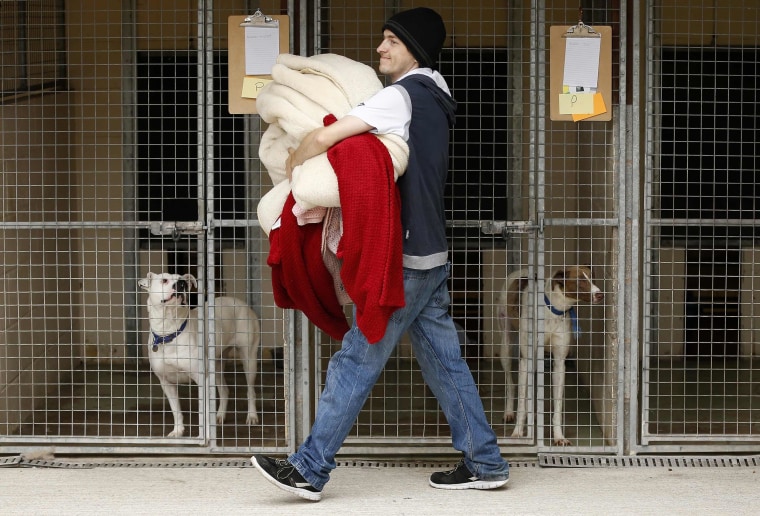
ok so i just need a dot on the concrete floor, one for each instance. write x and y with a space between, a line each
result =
379 491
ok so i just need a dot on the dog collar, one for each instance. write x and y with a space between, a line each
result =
165 339
571 312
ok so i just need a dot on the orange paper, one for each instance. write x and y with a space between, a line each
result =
599 108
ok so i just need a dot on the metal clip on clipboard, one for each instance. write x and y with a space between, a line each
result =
258 19
581 30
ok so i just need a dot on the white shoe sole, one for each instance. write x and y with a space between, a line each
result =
478 484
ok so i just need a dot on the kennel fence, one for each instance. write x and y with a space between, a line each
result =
120 157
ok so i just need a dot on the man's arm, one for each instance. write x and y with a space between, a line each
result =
321 139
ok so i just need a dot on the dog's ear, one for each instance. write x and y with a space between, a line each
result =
559 276
145 282
191 280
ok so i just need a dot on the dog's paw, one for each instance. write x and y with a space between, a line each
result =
509 417
220 418
561 441
252 419
178 431
517 432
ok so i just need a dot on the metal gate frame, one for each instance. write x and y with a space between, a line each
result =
633 139
538 113
639 382
203 231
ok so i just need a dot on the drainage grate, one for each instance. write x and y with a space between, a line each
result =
442 465
9 461
544 460
598 461
24 462
21 462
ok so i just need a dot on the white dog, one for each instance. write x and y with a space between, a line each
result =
563 290
176 356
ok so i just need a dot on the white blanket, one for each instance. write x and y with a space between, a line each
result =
303 91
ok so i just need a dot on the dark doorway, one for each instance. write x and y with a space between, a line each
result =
168 135
713 285
709 142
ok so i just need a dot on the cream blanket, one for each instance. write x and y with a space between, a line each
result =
302 92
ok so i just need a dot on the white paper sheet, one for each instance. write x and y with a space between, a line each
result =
262 46
582 62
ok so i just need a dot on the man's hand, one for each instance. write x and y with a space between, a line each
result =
289 166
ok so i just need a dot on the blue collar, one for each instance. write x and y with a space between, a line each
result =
165 339
571 312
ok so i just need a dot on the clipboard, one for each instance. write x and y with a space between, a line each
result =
236 59
559 35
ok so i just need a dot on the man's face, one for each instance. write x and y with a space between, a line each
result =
395 58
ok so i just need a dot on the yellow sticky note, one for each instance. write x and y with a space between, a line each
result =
252 86
599 108
576 103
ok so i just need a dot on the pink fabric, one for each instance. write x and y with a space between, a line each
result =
311 216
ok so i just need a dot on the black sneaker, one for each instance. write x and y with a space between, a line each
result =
284 475
461 478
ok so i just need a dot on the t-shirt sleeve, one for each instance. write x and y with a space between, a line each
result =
388 111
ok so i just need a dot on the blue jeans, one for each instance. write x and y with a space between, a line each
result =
354 369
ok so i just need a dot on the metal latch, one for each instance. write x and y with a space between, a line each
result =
509 227
177 229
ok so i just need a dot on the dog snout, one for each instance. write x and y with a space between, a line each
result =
598 297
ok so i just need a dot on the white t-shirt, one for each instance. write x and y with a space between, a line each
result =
389 111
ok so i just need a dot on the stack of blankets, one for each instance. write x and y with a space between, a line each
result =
303 91
355 179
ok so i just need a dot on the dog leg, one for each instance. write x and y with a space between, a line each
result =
522 393
251 366
171 393
506 364
223 390
558 393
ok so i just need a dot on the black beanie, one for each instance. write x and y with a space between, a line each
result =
422 31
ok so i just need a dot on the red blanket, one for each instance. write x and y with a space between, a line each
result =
300 279
370 249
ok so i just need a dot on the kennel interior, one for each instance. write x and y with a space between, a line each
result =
120 157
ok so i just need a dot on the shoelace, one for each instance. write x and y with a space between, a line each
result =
456 467
287 468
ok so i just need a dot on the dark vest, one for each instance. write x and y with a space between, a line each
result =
422 186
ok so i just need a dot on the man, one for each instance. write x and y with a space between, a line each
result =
419 108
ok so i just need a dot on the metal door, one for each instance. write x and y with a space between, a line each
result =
699 340
508 208
125 160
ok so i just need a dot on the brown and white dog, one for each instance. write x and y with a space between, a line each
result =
563 290
173 349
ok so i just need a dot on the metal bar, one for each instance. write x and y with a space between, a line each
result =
623 191
537 204
632 336
129 101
